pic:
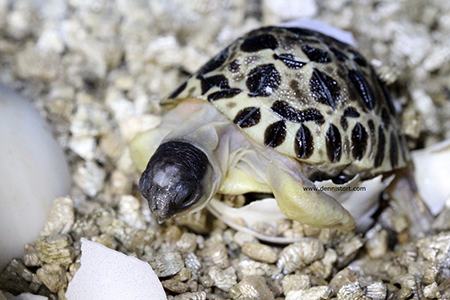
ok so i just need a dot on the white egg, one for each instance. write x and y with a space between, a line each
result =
33 172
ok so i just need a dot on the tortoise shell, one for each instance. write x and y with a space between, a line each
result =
308 96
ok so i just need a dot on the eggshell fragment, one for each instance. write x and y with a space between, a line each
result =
108 274
361 204
266 209
360 198
339 34
432 174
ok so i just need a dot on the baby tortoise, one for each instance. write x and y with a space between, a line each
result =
276 110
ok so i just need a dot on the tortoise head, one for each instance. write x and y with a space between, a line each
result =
177 180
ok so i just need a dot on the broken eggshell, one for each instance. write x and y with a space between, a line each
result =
432 172
361 204
108 274
339 34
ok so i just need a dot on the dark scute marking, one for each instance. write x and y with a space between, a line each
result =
204 84
289 113
362 87
385 117
334 143
215 62
212 81
275 134
342 178
359 141
318 175
339 55
304 142
299 40
316 54
298 93
402 145
231 104
223 94
379 156
301 31
259 42
312 114
286 111
248 117
324 88
387 97
358 58
294 84
218 80
351 112
178 91
393 149
234 66
290 61
261 78
360 61
344 123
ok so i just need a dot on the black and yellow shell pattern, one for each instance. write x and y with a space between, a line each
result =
308 96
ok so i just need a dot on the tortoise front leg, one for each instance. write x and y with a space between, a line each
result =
310 207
